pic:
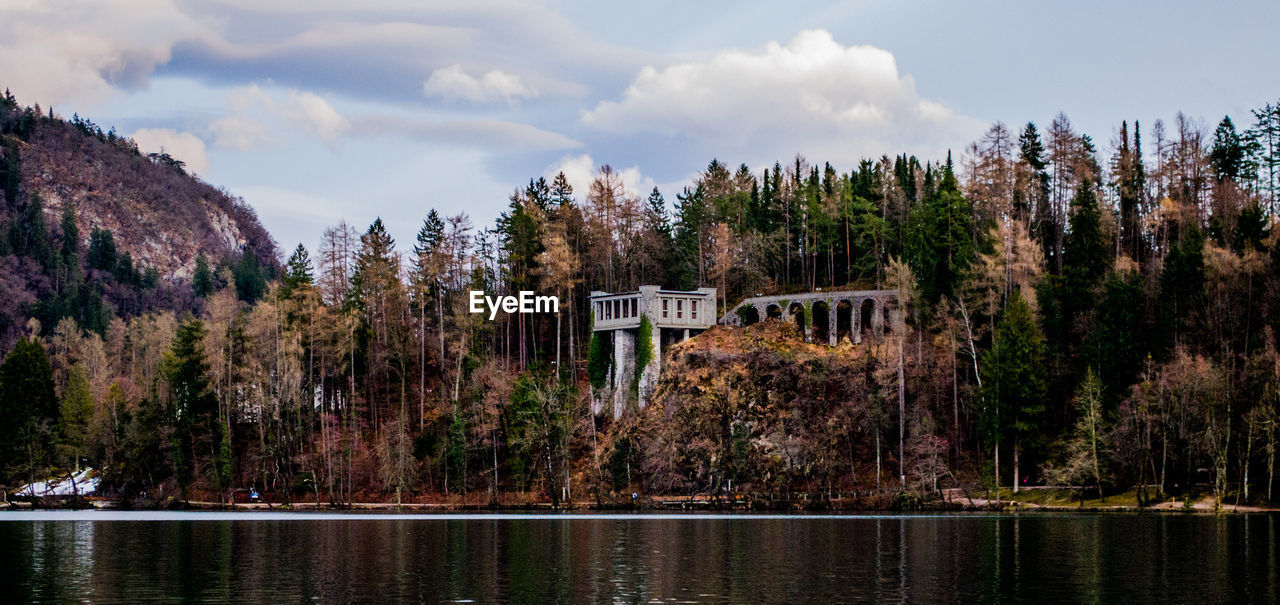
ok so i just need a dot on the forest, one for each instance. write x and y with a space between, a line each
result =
1074 313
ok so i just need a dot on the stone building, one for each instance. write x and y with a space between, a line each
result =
672 316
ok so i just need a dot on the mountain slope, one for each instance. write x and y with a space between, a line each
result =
90 227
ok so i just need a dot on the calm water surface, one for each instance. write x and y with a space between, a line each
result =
106 557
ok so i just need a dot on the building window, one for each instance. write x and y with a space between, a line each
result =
693 309
664 308
617 309
680 309
608 310
635 307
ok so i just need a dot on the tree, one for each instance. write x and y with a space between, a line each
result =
102 251
76 410
193 409
1031 189
1014 388
1118 340
249 279
297 272
1082 449
1086 255
1227 155
28 411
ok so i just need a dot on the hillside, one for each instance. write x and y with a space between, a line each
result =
139 224
761 408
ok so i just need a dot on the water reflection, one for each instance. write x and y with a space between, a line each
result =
634 559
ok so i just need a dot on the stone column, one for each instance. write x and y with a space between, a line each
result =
624 368
833 327
855 321
650 373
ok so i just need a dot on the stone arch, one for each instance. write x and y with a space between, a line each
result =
866 316
773 311
844 320
748 315
796 312
821 331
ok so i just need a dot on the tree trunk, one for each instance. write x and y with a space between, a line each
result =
1015 466
997 471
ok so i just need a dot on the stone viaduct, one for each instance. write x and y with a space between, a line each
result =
675 315
829 317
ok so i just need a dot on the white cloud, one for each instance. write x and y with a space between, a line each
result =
64 51
453 84
581 169
315 115
238 132
306 110
181 145
813 95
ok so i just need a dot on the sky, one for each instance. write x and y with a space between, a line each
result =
317 111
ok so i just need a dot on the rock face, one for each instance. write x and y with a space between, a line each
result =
163 217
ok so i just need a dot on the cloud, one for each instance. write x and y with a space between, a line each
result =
581 169
483 133
181 145
238 132
59 51
813 94
315 115
308 111
453 84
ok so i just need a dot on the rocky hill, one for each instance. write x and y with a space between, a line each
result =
158 213
90 227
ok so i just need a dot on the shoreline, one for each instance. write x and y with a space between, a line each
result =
655 509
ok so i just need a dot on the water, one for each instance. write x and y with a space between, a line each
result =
104 557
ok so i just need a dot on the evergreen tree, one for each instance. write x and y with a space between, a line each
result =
70 253
1182 285
954 214
193 409
28 235
561 190
1086 255
1227 156
28 411
202 278
1032 200
102 251
691 212
75 412
250 282
1013 399
298 271
1117 343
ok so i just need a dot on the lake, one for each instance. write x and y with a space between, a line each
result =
103 556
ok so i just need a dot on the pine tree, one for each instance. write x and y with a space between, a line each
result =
249 280
69 255
1118 340
561 190
298 272
102 251
1031 199
28 411
1014 388
75 412
193 408
1086 255
1227 156
202 278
